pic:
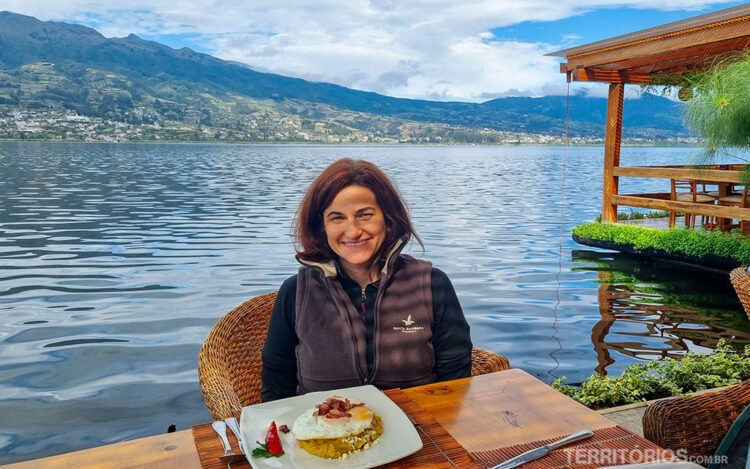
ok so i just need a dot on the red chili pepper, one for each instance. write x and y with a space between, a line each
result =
273 442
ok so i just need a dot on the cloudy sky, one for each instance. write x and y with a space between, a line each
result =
463 50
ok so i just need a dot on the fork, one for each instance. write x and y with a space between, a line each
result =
235 427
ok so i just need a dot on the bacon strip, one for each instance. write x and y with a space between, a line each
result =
335 408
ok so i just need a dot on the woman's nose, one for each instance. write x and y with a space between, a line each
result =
353 229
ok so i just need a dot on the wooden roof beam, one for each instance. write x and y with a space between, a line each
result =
607 76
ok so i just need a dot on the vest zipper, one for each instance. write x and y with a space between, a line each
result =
362 372
378 299
363 304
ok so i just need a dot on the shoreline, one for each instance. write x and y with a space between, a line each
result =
344 144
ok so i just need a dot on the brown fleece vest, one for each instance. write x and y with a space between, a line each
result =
332 347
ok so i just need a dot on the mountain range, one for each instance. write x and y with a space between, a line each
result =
75 73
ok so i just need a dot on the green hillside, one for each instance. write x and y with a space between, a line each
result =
59 80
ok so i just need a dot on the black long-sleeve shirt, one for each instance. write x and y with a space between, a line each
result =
450 334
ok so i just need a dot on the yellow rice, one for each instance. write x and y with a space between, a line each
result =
334 448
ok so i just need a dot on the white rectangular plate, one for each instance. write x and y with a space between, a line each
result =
399 438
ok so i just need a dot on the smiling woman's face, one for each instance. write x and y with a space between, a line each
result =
355 228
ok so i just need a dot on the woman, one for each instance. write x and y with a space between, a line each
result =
359 312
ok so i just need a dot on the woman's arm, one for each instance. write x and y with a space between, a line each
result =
450 334
279 360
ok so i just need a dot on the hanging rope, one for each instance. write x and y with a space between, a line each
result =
562 237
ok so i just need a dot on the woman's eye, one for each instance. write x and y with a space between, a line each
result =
365 216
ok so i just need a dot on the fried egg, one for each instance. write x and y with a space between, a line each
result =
313 427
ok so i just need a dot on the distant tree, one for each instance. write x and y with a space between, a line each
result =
205 117
242 108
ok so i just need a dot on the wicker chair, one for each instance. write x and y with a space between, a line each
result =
698 423
229 363
740 279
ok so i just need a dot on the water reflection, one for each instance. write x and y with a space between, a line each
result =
652 309
116 260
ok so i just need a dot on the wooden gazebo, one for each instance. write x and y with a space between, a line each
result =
674 48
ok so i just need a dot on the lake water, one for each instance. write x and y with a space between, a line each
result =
116 260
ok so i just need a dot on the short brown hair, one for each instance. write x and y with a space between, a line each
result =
312 244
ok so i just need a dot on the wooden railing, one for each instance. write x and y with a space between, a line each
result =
722 175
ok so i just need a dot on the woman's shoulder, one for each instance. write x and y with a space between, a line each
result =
289 286
406 259
439 278
286 299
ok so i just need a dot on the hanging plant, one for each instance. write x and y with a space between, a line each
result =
685 93
667 84
719 111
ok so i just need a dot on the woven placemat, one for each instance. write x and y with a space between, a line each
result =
209 448
439 449
608 447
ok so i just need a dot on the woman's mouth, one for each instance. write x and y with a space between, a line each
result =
354 244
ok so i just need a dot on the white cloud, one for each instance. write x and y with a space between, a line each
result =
440 49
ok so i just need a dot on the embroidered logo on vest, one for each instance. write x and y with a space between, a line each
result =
407 328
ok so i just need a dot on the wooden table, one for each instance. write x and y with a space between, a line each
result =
483 412
514 405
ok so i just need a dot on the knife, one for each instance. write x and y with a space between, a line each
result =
537 453
229 456
235 427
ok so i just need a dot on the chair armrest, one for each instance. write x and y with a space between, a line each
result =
695 424
740 279
217 389
485 361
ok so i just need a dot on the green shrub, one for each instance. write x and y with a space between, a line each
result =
661 378
678 241
638 215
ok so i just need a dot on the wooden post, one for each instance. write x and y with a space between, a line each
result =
612 138
606 298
